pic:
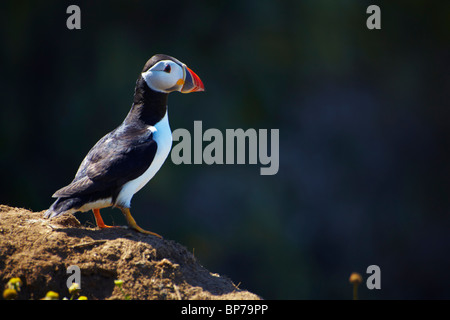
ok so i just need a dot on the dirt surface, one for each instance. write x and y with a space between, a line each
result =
39 251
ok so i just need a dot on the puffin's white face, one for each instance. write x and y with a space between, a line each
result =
168 76
165 76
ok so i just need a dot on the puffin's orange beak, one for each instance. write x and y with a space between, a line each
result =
192 82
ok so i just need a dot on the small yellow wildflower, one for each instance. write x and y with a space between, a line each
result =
118 284
14 283
74 288
9 294
51 295
355 278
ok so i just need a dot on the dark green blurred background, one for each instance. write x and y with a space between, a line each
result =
363 118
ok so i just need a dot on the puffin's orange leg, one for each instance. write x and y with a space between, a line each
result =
99 220
132 223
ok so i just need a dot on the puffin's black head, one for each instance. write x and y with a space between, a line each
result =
166 74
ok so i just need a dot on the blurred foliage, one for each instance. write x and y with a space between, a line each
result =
363 118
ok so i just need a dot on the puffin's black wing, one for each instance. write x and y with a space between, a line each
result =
122 155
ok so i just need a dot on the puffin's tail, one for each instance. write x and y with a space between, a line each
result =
60 206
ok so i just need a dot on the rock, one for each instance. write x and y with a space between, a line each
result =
39 251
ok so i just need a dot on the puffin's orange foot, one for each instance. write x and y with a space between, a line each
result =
132 223
99 220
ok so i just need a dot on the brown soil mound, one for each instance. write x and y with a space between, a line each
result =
39 251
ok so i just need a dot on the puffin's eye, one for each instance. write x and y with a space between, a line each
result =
167 68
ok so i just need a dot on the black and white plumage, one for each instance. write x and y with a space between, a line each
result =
125 159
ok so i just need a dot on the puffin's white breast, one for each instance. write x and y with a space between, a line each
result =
163 137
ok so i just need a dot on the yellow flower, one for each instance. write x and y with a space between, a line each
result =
82 298
51 295
74 288
15 283
118 283
355 278
9 294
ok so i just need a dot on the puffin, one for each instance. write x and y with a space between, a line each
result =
127 158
